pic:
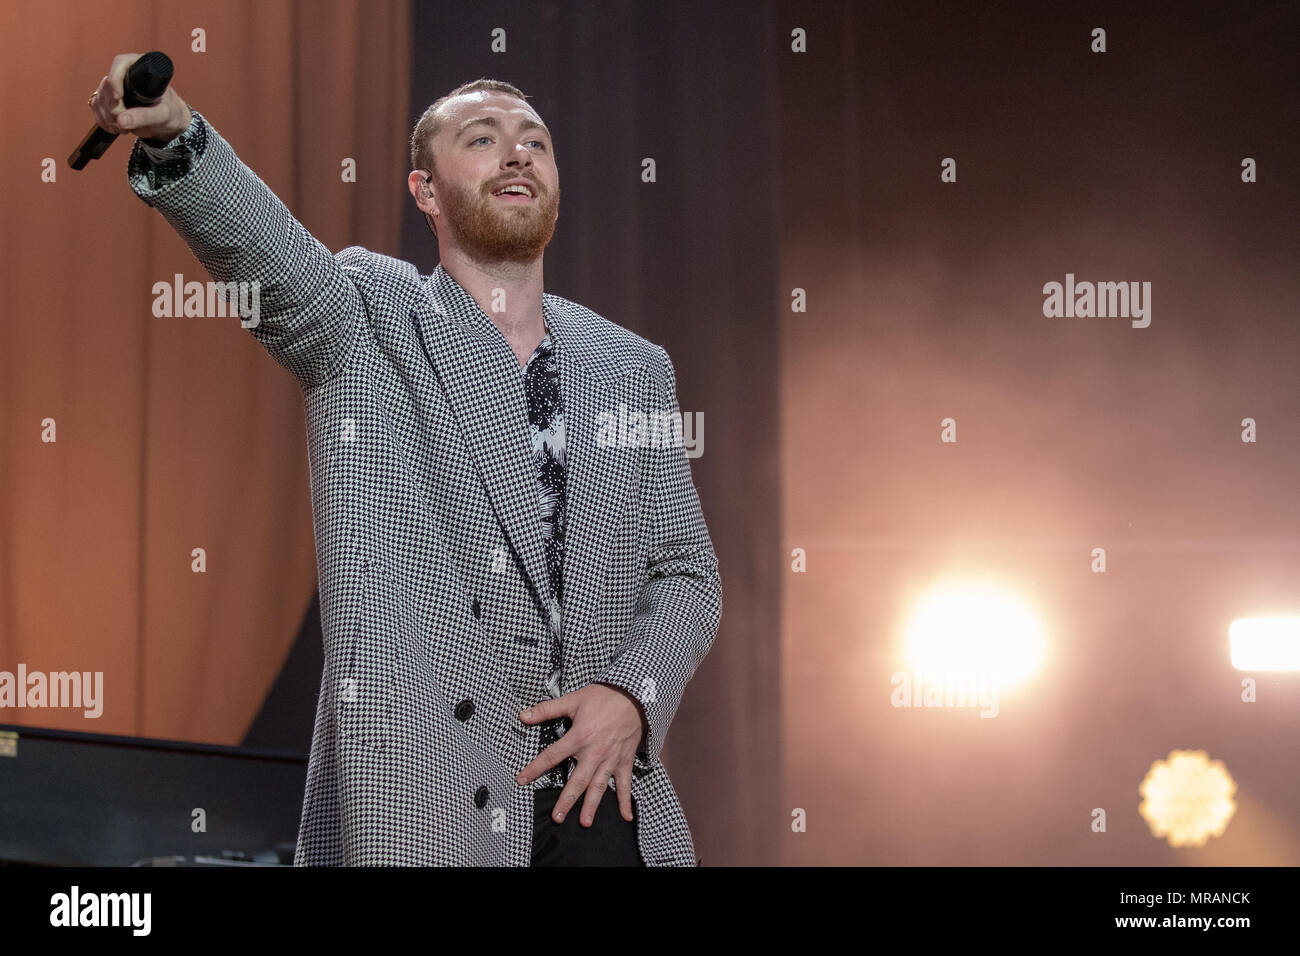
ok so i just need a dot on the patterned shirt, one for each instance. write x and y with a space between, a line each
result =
541 377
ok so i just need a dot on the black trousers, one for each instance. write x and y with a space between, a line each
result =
609 841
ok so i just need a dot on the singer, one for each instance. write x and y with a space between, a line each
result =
511 607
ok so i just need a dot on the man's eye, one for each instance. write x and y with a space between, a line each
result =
481 137
539 143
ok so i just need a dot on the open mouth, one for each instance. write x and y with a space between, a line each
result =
515 192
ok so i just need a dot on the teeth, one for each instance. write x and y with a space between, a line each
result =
521 190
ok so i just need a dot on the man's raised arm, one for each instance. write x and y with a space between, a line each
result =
309 308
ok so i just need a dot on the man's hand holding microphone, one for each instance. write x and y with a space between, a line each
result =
142 103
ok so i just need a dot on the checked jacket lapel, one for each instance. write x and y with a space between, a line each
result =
485 390
598 479
483 382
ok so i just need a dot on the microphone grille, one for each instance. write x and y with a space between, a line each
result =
150 75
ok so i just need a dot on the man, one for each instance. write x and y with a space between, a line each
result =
512 603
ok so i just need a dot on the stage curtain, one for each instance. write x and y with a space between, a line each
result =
173 434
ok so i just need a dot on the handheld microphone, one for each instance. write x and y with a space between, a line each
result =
146 82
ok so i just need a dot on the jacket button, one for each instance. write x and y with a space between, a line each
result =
480 797
465 710
478 609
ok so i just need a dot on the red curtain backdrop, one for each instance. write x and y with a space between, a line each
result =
172 433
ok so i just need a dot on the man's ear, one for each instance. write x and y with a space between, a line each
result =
423 188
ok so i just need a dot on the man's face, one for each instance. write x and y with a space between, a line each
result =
489 141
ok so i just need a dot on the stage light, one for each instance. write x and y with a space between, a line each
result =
1265 643
975 628
1187 798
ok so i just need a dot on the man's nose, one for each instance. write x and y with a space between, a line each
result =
521 155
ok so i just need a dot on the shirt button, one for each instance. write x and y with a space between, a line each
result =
481 797
465 710
478 609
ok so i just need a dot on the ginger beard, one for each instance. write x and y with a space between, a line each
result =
491 230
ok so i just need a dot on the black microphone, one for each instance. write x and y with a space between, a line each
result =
146 82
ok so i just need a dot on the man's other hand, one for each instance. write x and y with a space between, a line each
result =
607 729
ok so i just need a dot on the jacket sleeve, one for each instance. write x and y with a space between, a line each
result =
679 607
308 307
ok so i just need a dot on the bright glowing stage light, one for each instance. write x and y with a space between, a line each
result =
1187 798
1265 643
975 628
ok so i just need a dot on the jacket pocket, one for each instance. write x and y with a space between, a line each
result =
365 691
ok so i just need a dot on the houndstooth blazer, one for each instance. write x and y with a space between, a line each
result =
428 539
